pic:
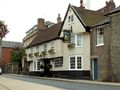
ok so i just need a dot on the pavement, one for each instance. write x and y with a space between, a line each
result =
14 84
71 80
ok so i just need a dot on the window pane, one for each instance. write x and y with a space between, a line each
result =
58 62
38 65
45 47
31 50
34 65
72 18
73 39
72 63
52 45
79 64
69 19
100 36
79 40
37 48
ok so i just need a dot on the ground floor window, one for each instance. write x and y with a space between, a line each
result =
58 62
76 62
36 65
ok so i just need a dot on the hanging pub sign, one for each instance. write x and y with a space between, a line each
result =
66 36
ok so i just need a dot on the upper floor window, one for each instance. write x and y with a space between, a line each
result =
70 18
37 48
77 40
52 45
100 36
45 47
31 50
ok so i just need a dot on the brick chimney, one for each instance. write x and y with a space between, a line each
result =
58 18
110 5
41 23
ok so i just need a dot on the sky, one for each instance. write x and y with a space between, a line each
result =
21 15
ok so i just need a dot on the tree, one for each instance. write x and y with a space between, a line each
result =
3 29
17 56
3 32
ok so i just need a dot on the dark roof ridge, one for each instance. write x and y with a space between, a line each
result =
83 8
46 35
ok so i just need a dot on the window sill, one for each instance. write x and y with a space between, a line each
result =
75 69
99 45
78 46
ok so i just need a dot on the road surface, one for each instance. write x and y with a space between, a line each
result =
39 84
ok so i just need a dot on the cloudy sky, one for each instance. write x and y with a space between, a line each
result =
21 15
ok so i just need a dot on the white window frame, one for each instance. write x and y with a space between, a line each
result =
76 62
75 40
45 47
98 36
37 65
36 68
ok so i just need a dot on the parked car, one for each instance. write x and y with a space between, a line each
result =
0 71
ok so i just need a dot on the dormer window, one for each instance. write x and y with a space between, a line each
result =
70 18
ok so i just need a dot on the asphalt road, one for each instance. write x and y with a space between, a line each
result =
62 84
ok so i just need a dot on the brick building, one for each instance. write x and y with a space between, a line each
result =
7 48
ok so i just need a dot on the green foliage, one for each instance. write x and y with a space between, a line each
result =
17 55
3 28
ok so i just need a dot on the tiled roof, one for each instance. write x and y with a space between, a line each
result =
46 35
103 22
114 11
89 17
11 44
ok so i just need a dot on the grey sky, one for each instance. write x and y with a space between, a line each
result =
21 15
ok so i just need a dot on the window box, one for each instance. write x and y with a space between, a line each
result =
30 55
40 55
36 54
43 53
41 66
48 66
51 51
71 45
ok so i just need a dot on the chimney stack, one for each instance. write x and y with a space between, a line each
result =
41 23
59 18
81 4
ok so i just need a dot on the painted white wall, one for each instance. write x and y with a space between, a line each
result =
77 26
84 51
57 47
61 48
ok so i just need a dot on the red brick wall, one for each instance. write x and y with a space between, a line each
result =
6 55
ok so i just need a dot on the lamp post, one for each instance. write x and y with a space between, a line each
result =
3 32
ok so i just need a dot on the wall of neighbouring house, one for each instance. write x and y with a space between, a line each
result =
6 55
84 51
102 53
115 46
